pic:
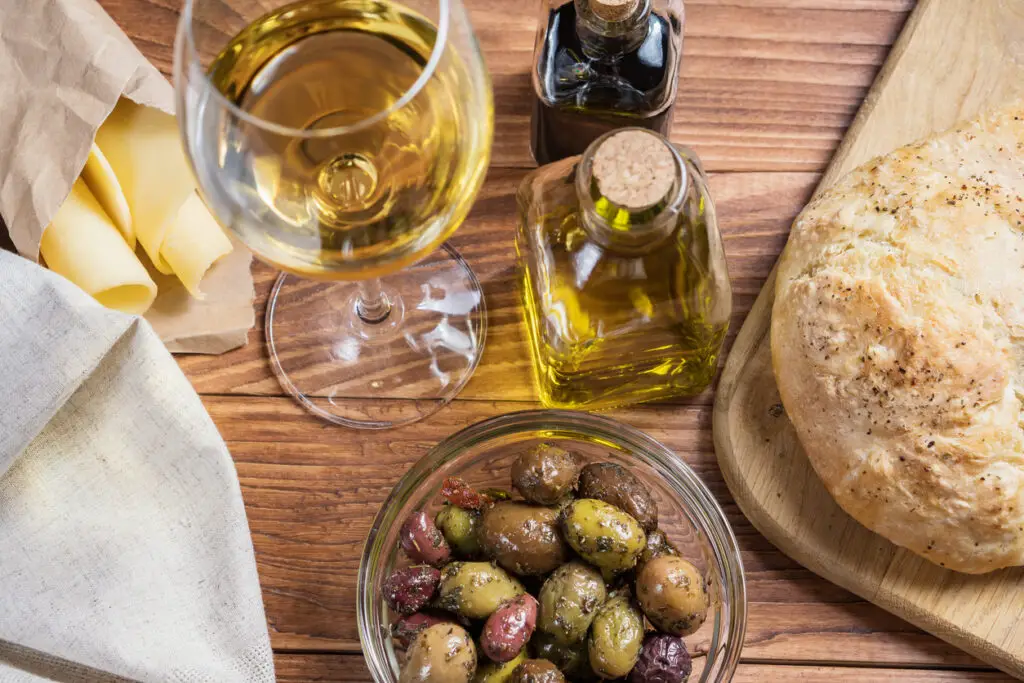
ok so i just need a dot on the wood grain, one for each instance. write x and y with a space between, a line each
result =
763 86
768 85
755 210
767 472
319 668
311 492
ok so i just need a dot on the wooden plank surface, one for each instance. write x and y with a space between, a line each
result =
312 490
761 458
317 668
765 85
769 88
755 209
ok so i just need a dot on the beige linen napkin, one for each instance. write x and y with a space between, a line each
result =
124 547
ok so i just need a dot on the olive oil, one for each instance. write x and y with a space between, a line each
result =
624 288
595 73
376 140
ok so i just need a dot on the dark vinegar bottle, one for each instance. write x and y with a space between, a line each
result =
601 65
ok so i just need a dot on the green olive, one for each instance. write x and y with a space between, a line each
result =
443 653
459 527
495 672
616 636
617 578
673 595
569 600
537 671
571 659
657 545
563 503
496 494
475 589
617 486
603 534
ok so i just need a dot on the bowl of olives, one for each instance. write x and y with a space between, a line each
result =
548 546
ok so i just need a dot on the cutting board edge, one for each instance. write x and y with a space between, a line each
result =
753 333
867 107
806 556
759 316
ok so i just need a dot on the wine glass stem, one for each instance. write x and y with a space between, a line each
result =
373 305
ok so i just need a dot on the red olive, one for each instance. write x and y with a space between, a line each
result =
408 590
422 541
509 628
408 627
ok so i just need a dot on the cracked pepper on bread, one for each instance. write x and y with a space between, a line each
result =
898 343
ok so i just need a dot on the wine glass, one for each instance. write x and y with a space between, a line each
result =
343 141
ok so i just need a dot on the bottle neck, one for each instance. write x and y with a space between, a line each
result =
636 210
608 28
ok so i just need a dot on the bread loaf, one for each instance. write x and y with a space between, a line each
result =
898 343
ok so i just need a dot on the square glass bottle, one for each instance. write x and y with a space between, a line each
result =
600 65
623 278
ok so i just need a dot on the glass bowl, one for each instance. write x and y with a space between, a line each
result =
483 453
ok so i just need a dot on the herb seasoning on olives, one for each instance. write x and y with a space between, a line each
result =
503 568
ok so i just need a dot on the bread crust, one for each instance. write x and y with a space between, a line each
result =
898 343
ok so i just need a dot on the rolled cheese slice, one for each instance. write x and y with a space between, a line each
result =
82 244
143 149
194 243
101 180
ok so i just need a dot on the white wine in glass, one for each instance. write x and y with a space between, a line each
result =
343 141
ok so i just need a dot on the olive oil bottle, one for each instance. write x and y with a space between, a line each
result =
623 277
600 65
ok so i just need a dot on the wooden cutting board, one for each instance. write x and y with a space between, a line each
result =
954 58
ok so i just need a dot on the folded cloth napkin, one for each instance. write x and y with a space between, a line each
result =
124 547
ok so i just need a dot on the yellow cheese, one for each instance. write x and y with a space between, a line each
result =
82 244
103 183
194 243
144 151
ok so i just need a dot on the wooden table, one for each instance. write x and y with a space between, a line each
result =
768 88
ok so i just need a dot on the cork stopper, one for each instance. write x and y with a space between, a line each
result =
614 10
634 169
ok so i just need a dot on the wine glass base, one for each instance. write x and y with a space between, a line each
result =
385 373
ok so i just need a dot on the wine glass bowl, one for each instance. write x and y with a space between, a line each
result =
328 174
344 141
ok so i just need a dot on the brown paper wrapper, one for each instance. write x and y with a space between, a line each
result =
54 94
